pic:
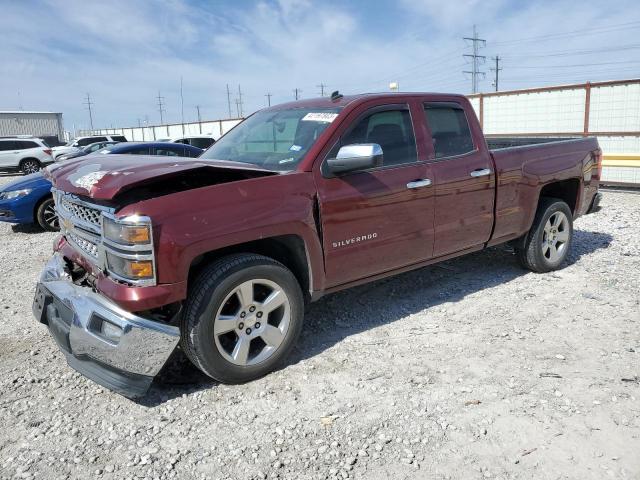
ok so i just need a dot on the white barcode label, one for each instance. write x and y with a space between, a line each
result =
320 117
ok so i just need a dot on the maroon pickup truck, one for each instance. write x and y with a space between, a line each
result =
219 255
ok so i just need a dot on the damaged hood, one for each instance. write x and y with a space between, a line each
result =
106 176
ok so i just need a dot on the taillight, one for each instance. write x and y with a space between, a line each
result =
599 164
47 151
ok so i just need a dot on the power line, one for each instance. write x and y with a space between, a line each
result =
160 108
297 93
89 103
496 70
476 59
572 33
268 95
321 87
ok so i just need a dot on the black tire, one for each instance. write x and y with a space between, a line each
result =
45 214
30 165
530 250
210 289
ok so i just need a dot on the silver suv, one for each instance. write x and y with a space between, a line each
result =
27 154
76 144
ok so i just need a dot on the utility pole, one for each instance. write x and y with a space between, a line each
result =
229 100
89 103
161 108
181 105
321 87
238 107
239 103
199 119
476 59
297 93
268 95
496 70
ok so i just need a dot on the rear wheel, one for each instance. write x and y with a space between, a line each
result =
242 318
30 165
547 244
47 217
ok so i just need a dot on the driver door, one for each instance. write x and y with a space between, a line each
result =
380 219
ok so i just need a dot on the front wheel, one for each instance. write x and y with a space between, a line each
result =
243 316
547 244
47 217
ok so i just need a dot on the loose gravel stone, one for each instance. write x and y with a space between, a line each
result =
418 376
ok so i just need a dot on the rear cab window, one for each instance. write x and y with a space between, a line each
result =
449 129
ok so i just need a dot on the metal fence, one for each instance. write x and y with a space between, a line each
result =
609 111
217 128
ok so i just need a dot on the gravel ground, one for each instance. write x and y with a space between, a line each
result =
469 369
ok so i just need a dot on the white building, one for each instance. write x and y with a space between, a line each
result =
47 125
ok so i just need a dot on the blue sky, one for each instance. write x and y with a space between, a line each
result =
124 52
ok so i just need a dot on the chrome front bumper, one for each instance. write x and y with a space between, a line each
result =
74 315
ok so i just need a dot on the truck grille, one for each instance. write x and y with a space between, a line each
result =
86 246
82 212
81 223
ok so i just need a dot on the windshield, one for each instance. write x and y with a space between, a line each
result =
274 140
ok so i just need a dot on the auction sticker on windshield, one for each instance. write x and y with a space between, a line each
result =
320 117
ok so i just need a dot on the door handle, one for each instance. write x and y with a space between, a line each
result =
425 182
481 172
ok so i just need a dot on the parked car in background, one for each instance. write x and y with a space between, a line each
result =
220 254
25 154
93 147
29 200
77 143
200 141
152 148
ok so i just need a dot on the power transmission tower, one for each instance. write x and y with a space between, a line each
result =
476 59
161 108
89 103
239 102
297 93
238 107
268 95
496 70
321 87
229 100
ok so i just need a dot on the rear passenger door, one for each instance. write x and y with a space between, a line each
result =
464 180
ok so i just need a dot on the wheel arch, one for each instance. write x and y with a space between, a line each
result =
290 250
566 190
39 202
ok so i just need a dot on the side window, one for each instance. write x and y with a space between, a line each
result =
392 130
449 129
168 151
7 145
118 138
23 145
83 142
138 151
203 143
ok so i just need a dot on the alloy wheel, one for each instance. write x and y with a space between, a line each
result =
252 322
555 237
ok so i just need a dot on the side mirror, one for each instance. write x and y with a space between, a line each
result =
355 157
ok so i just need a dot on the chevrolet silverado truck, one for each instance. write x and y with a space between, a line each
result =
218 255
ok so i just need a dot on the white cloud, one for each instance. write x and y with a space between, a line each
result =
123 52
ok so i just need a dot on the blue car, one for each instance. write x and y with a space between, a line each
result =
29 200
